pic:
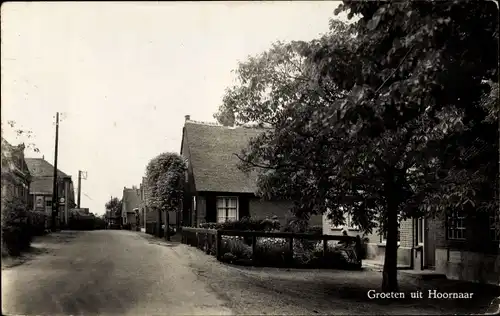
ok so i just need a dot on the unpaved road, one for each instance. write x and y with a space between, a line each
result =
131 273
106 273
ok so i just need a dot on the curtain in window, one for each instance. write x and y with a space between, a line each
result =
227 209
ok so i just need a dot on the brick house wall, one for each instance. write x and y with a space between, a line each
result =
248 205
261 209
475 258
375 242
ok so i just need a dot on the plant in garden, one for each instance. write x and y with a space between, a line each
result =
16 231
236 247
164 183
393 116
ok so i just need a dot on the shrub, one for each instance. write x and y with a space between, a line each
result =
38 220
272 251
245 224
236 247
16 230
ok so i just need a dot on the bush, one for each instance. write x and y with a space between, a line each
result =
245 224
38 221
272 251
16 229
78 222
236 247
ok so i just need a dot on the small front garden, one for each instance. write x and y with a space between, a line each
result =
265 243
19 226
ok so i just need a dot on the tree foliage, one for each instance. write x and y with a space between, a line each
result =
114 206
396 117
274 80
20 132
164 181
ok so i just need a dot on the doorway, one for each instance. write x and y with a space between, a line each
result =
426 239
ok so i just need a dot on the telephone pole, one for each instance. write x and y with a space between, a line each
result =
55 202
79 188
80 175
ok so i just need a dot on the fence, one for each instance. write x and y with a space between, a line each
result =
276 248
151 228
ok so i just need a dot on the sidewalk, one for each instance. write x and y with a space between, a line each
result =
378 266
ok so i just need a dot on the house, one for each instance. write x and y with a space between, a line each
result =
16 177
215 189
130 206
459 246
41 189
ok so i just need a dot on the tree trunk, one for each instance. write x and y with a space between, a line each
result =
167 224
159 229
390 274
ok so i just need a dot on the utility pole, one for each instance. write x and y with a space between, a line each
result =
79 188
81 174
55 202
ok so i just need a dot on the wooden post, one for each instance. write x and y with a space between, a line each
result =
218 249
290 245
254 247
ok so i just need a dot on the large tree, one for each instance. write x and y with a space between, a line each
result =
398 118
164 183
114 206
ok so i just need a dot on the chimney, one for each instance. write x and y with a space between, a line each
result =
187 117
43 157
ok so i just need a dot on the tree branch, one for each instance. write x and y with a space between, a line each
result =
396 69
254 164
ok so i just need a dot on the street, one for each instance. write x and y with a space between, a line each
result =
110 273
131 273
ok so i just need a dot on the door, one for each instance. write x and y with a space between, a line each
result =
429 244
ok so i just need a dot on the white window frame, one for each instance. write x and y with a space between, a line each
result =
458 222
226 198
420 230
348 223
494 221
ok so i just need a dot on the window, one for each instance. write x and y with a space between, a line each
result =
456 226
348 223
420 230
48 203
495 227
227 209
383 236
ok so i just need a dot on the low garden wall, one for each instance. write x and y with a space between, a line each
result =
276 249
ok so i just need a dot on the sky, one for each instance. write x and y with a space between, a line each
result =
124 74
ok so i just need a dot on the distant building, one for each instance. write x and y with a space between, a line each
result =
131 202
16 176
41 189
